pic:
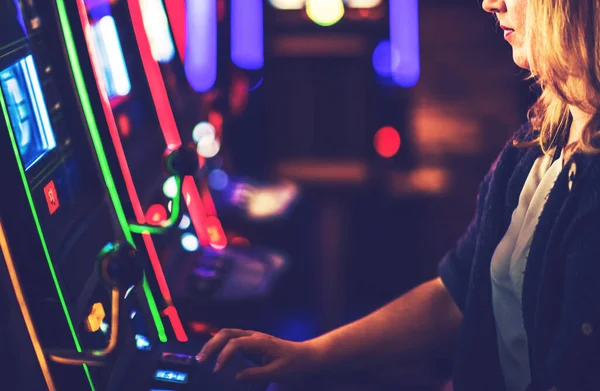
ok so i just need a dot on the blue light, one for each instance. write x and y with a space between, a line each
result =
189 242
171 376
218 179
201 44
20 17
404 40
382 59
258 84
106 44
27 110
297 328
247 46
141 342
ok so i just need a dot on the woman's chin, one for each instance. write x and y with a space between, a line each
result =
521 60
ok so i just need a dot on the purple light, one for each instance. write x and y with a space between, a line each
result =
20 17
404 40
205 272
258 84
201 44
382 61
247 47
218 179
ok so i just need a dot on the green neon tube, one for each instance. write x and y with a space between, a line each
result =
86 105
41 235
162 336
93 128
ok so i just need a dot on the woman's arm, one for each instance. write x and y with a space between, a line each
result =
423 321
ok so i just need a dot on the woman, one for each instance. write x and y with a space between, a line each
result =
519 293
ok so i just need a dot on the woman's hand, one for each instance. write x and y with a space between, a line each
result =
282 360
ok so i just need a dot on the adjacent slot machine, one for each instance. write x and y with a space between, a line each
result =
194 253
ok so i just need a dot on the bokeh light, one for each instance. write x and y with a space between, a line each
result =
170 188
387 141
325 12
189 242
288 4
218 179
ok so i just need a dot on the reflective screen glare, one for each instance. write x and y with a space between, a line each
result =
114 77
27 110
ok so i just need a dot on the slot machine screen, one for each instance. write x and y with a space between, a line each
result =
27 110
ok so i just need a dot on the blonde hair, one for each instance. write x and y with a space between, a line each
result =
564 59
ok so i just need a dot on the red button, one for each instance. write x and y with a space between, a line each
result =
51 197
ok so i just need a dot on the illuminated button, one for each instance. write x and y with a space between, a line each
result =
142 343
51 197
95 318
171 376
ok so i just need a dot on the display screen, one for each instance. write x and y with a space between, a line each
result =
109 56
171 376
27 110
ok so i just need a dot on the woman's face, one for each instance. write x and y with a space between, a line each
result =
511 16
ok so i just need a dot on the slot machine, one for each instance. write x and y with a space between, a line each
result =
78 310
193 255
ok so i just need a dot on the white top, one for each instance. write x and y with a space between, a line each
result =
508 268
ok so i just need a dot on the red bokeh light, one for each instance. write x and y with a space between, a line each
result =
156 214
124 125
387 141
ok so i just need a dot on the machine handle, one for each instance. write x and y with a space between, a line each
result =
94 357
120 269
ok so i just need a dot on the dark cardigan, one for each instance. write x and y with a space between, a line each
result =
561 288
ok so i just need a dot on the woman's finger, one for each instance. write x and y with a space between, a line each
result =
217 342
249 344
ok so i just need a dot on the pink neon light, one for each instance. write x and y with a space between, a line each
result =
218 240
155 79
155 261
209 204
180 334
176 12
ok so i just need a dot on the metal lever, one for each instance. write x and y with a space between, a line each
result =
94 357
120 270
